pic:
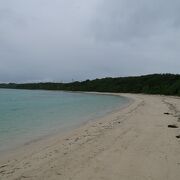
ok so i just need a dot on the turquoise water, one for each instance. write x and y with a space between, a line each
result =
26 115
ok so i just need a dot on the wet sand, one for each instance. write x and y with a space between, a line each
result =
138 142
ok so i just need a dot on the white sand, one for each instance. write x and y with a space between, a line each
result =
133 143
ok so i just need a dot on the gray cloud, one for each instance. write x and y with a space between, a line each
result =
126 20
64 39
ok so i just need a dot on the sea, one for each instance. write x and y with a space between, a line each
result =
26 115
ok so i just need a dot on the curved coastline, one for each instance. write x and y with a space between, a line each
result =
123 144
64 118
60 132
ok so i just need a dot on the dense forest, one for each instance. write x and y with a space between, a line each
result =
167 84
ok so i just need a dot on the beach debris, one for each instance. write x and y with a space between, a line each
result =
172 126
178 136
167 113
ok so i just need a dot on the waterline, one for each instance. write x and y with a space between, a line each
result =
26 115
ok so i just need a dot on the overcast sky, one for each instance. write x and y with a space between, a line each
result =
60 40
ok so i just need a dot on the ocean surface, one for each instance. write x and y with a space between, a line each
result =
26 115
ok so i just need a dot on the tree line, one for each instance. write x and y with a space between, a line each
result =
166 84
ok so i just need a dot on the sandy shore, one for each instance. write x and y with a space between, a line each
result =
134 143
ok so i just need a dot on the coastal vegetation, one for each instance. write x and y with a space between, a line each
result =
167 84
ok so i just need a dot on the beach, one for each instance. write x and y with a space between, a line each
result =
132 143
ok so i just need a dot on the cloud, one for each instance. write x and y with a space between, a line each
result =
65 39
123 20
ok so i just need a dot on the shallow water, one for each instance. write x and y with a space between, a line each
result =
26 115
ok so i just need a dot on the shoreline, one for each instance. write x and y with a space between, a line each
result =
87 152
61 133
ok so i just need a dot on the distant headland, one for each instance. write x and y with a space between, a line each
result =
166 84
